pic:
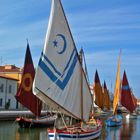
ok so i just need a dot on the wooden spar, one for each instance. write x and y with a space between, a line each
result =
81 86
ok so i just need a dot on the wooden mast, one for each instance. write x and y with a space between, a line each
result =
81 86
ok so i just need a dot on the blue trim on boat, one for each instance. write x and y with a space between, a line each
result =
74 136
112 123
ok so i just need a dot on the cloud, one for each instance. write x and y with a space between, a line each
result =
101 27
105 25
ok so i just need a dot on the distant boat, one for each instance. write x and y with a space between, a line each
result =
102 99
60 80
29 100
116 119
106 101
98 91
106 97
127 98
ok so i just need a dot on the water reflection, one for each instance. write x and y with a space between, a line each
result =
124 132
11 131
31 134
128 131
113 133
7 132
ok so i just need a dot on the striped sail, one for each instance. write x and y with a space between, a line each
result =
58 76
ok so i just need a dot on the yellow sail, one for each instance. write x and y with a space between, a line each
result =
117 87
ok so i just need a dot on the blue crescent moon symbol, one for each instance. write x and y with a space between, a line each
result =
65 43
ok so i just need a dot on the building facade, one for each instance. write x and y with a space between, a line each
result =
10 79
8 89
11 71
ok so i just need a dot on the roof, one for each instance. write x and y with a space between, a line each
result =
9 68
7 77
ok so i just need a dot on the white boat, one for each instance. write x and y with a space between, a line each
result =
131 116
75 133
60 80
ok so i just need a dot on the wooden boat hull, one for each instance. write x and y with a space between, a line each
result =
86 134
113 123
33 123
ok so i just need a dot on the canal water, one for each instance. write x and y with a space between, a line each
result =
130 130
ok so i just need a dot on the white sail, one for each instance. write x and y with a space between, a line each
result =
58 75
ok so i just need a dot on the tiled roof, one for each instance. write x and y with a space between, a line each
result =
9 68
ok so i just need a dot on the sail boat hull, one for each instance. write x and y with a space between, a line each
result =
74 133
114 121
36 123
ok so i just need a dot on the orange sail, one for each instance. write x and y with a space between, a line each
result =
24 94
106 97
128 100
98 91
117 87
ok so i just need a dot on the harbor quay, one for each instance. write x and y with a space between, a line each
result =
6 115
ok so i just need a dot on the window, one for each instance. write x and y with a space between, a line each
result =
1 87
9 101
0 101
10 89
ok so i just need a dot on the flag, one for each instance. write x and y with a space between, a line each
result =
24 94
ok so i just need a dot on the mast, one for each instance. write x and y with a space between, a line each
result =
81 86
58 75
117 86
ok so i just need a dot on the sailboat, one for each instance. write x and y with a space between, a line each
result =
28 99
106 101
106 97
102 99
61 82
116 119
98 91
127 98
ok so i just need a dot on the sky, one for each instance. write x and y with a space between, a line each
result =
100 27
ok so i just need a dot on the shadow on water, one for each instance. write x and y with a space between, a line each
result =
31 134
11 131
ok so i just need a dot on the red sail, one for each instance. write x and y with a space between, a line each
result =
128 100
24 94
